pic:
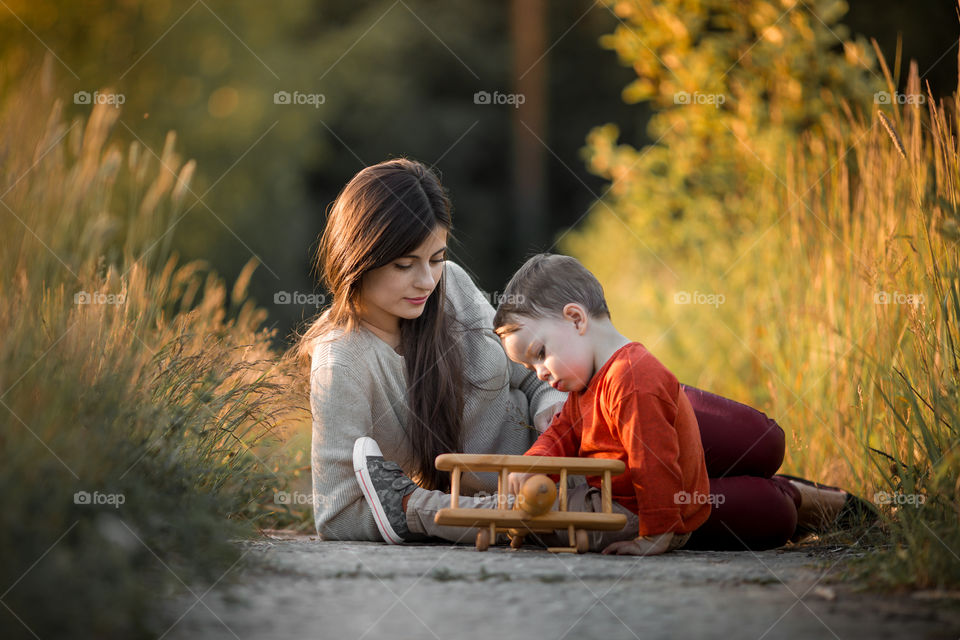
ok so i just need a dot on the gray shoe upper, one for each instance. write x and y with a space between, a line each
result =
391 485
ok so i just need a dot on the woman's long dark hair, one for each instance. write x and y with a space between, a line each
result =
386 211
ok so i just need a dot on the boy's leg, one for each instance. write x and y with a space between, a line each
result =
738 440
748 513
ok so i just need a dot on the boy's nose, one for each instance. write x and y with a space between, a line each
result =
542 373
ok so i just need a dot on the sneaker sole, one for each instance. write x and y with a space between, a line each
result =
370 494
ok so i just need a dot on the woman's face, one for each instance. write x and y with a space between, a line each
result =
400 289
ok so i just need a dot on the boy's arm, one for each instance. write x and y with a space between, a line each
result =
561 438
647 432
641 546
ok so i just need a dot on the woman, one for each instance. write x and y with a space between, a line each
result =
405 366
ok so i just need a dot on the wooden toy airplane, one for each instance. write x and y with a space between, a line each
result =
517 522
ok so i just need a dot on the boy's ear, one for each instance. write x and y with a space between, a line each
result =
576 314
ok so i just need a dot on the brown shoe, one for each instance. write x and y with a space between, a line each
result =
828 512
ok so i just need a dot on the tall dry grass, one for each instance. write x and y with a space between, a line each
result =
835 311
143 409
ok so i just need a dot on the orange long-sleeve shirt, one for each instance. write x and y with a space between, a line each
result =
634 410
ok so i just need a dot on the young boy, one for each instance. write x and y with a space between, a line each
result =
623 403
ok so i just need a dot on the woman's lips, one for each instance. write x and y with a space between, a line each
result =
417 300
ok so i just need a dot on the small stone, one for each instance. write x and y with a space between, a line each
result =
825 592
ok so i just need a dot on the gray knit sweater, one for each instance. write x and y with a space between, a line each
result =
358 388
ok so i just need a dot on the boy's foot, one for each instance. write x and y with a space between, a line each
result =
824 507
384 485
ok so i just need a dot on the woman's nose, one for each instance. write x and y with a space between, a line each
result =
425 279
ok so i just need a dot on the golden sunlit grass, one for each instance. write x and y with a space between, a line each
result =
839 317
140 383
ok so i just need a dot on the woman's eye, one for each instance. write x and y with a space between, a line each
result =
403 266
438 260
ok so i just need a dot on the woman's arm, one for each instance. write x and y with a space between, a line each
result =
544 401
341 414
475 311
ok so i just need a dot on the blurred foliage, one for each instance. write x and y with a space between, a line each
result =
925 32
140 400
397 79
763 71
694 203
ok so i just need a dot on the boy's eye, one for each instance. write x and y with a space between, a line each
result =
542 353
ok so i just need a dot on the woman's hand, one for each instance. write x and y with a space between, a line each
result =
543 419
642 546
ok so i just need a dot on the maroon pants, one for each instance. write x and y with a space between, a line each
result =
751 507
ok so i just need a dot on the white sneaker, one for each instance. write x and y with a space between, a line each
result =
384 486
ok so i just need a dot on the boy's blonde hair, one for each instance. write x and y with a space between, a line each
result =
543 286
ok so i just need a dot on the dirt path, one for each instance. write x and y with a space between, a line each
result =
302 588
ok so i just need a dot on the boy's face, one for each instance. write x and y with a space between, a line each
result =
558 349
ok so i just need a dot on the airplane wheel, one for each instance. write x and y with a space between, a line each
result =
483 539
583 541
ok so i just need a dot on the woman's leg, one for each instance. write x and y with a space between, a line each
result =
738 440
748 513
584 498
424 504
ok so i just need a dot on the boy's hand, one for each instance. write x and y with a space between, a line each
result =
543 419
641 546
515 481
